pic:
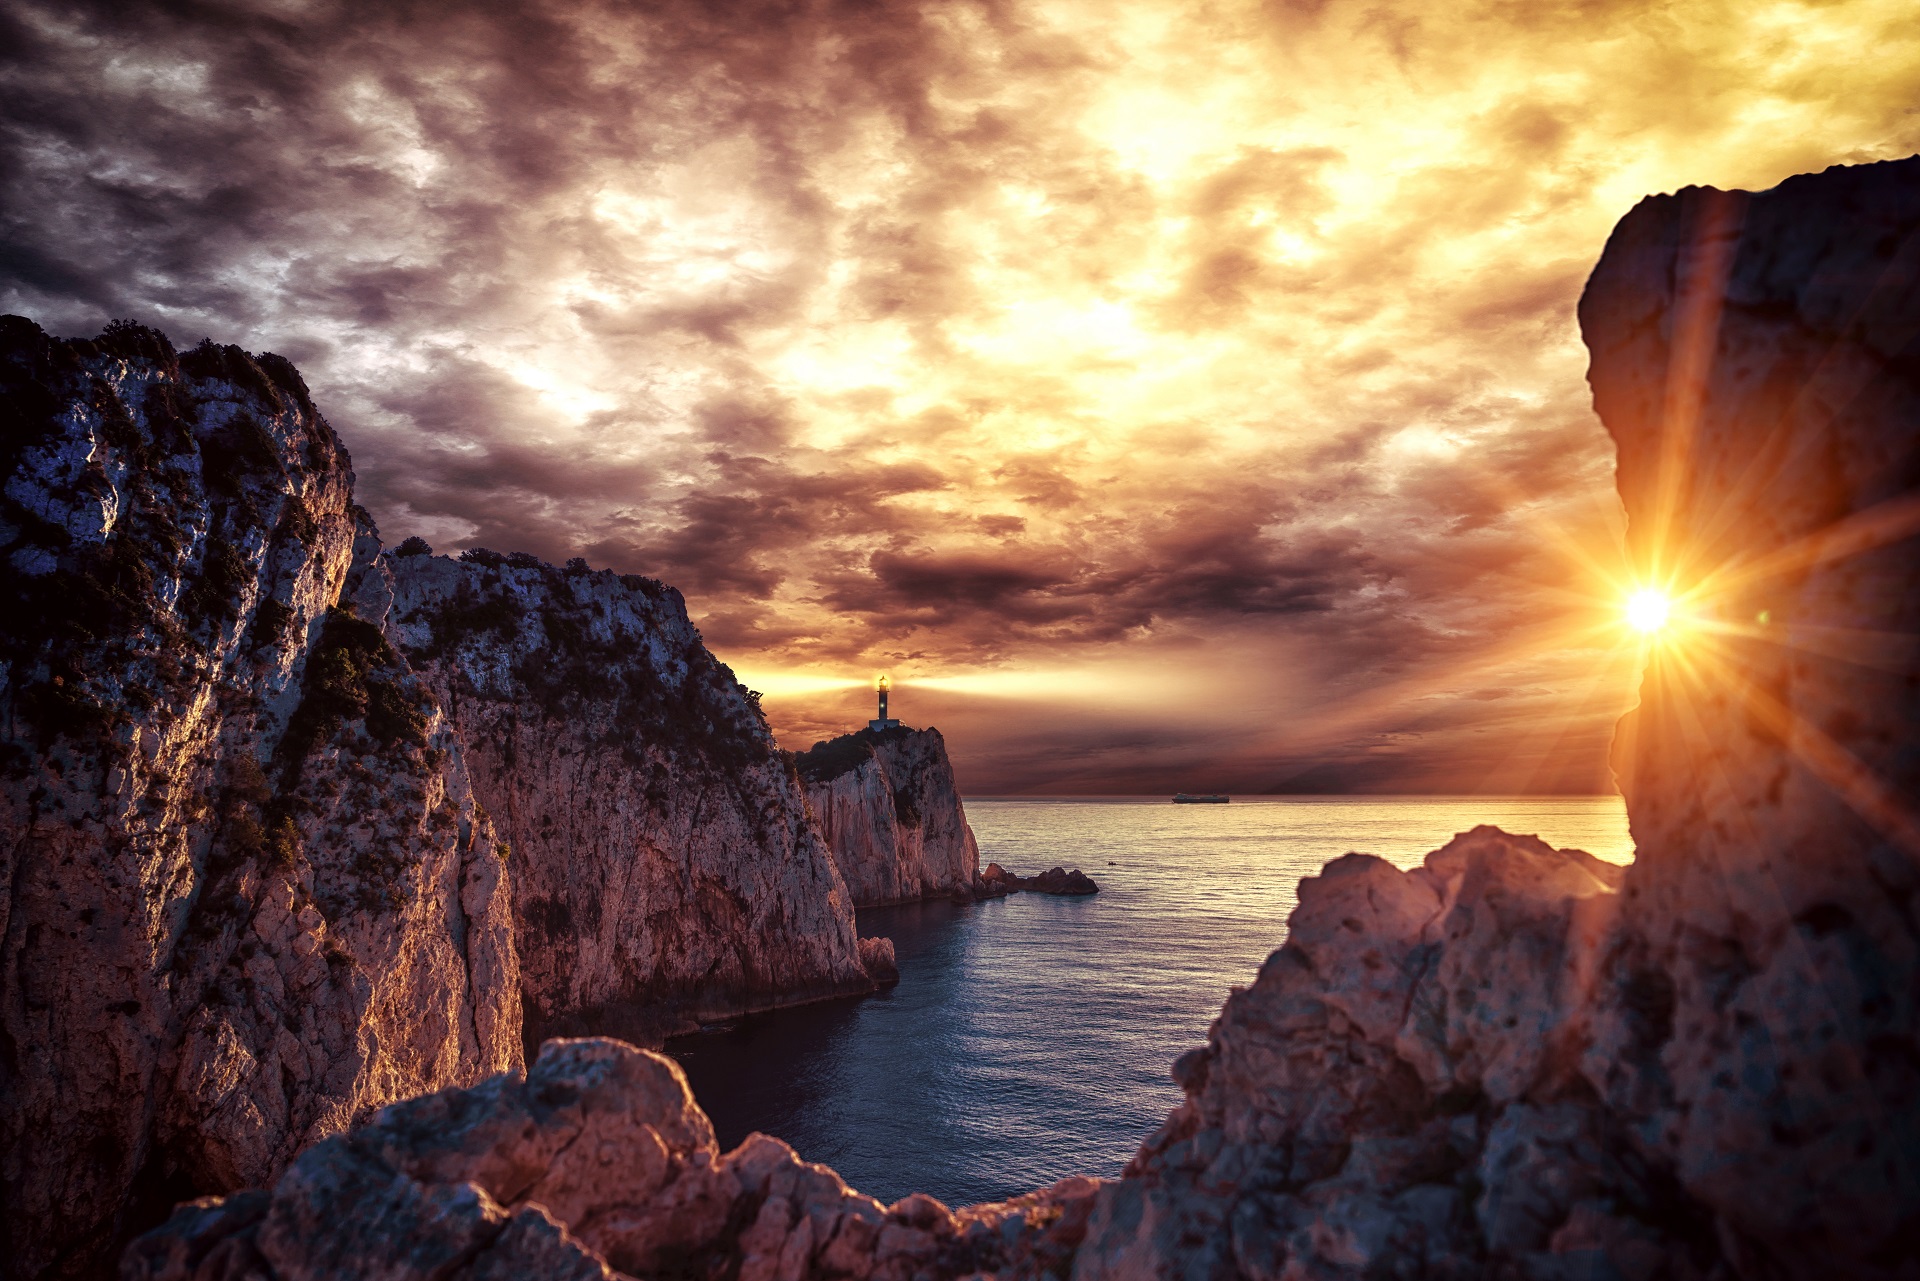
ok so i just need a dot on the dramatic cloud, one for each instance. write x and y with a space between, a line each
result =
1172 394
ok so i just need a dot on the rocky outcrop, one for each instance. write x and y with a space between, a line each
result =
248 895
890 809
1501 1066
1757 359
1513 1061
1400 1093
664 867
596 1164
998 882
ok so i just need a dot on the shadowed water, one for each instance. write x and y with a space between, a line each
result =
1030 1037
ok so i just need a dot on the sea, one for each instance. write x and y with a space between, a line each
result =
1030 1037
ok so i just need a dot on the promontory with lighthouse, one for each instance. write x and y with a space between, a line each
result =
886 800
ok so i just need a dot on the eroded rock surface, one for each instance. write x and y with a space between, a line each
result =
665 869
595 1163
248 894
1757 359
890 809
1400 1093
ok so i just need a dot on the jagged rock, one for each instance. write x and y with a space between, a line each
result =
888 805
595 1163
249 895
1058 880
1398 1092
664 867
998 882
1757 359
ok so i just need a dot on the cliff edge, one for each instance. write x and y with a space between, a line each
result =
1513 1061
248 894
664 867
889 808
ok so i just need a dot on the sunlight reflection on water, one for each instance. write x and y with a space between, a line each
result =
1030 1037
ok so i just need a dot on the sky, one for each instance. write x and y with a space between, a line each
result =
1170 396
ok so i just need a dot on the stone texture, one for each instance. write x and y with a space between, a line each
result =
1400 1093
665 868
1757 359
248 895
595 1163
887 802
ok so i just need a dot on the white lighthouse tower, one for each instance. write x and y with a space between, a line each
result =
882 721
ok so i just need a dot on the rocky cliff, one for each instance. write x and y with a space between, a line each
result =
1513 1061
1757 359
890 809
664 867
248 893
252 890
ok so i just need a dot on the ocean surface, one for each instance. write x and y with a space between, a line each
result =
1030 1037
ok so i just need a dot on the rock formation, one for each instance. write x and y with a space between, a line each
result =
888 805
998 882
664 867
1513 1061
597 1163
1757 359
252 889
248 893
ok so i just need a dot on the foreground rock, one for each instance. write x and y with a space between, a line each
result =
664 866
890 809
596 1163
1757 358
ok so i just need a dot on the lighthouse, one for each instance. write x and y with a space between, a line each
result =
882 721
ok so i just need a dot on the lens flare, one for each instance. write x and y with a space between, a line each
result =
1648 610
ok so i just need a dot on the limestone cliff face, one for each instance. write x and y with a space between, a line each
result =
246 895
1514 1061
664 867
1757 359
889 807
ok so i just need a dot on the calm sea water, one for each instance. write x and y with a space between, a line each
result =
1030 1038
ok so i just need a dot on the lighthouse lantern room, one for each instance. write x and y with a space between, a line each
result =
882 721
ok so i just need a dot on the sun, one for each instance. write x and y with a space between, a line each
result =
1648 610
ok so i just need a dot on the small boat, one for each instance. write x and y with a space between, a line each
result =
1184 799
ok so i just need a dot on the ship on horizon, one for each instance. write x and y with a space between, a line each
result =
1184 799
